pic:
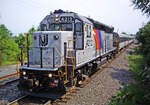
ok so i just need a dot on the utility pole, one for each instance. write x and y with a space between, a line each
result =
0 54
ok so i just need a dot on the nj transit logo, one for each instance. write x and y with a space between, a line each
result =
43 40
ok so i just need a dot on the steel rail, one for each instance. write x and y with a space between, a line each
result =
7 83
9 76
22 101
16 102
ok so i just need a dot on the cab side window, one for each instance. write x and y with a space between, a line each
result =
43 27
88 31
79 36
78 27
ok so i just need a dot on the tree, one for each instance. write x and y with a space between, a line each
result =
4 32
124 33
143 36
20 40
143 5
10 49
30 32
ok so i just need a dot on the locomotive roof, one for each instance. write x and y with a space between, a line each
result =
102 26
96 24
84 19
75 15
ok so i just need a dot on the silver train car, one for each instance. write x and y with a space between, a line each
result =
67 47
124 40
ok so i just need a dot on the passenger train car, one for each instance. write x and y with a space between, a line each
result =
124 40
67 47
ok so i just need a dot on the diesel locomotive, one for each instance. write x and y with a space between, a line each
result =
67 47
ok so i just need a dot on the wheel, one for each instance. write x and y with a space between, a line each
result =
61 87
107 58
89 70
75 81
95 67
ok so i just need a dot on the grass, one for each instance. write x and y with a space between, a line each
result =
5 63
136 63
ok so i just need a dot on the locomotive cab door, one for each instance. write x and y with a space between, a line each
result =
79 36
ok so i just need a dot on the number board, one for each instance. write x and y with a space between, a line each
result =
66 19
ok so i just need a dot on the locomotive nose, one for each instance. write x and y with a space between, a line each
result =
49 48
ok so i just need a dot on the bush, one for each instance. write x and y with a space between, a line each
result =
143 36
131 95
137 93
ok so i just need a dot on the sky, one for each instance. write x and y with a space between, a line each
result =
20 15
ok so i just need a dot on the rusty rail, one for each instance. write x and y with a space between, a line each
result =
5 84
16 102
24 100
9 76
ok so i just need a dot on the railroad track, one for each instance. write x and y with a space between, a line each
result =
7 83
71 91
16 102
25 100
9 77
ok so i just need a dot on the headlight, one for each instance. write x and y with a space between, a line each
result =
25 77
50 75
24 73
55 81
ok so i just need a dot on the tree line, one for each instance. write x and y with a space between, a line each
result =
143 36
138 92
10 44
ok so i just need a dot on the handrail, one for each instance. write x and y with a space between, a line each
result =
53 48
66 70
58 51
71 54
25 47
17 63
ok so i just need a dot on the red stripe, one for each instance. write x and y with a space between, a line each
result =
97 39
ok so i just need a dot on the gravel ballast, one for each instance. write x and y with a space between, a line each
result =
101 88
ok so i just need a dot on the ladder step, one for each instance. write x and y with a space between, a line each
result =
69 65
70 57
65 82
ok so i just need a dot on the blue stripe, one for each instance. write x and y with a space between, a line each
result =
99 34
100 37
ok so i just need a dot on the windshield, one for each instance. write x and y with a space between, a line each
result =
60 27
